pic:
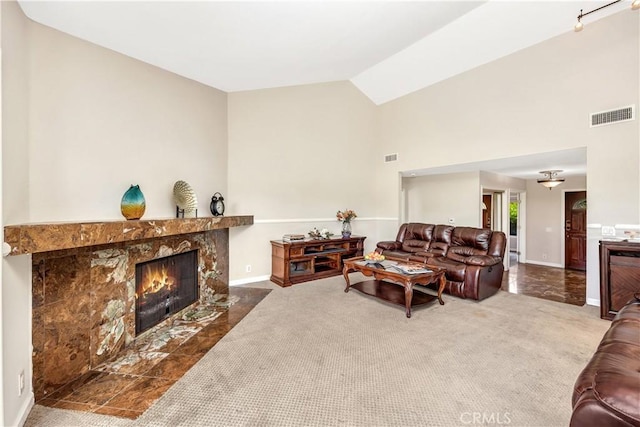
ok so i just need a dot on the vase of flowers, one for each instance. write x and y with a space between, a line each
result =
346 218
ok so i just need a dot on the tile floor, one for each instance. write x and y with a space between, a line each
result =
158 359
554 284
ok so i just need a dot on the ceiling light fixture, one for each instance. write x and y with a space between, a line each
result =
635 5
551 178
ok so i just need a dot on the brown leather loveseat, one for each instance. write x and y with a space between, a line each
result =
607 391
471 256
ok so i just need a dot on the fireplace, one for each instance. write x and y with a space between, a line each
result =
164 286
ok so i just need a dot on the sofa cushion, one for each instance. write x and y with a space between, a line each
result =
482 260
619 390
462 252
442 233
476 238
389 245
455 270
414 245
418 231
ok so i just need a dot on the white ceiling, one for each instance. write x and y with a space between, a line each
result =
386 48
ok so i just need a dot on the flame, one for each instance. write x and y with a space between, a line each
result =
155 279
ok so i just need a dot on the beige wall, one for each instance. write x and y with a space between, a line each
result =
533 101
545 220
84 124
297 155
107 121
16 282
434 199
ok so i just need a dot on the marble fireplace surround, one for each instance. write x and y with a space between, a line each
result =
83 284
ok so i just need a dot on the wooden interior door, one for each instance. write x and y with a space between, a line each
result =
575 230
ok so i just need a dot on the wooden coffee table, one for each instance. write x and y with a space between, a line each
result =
386 279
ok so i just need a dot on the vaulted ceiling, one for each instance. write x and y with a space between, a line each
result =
386 48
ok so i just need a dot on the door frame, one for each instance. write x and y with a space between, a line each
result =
521 225
562 220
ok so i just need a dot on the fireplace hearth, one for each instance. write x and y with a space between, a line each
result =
164 286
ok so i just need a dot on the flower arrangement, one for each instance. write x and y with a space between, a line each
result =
346 216
322 234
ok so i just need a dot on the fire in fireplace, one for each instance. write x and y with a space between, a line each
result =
165 286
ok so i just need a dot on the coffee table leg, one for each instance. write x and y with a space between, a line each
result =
408 295
345 273
443 282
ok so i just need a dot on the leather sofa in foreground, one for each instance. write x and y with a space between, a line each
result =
607 391
472 256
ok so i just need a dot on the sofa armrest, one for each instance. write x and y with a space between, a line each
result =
389 246
483 260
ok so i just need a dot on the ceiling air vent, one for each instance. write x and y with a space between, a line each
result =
623 114
391 157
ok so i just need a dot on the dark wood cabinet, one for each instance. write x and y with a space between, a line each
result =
619 275
297 262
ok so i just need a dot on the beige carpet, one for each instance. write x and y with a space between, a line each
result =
311 355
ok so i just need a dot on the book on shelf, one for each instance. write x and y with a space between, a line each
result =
293 237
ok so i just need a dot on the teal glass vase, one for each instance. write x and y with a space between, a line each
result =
133 204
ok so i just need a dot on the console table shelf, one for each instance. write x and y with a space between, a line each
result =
306 260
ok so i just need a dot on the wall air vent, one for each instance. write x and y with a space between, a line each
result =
623 114
391 157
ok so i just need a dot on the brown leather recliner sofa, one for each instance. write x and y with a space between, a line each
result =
607 391
471 256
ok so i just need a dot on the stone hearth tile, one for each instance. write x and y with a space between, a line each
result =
37 355
141 394
198 344
110 312
49 237
101 233
71 386
174 366
47 402
12 238
142 229
118 412
37 281
166 338
75 406
66 277
133 362
66 334
215 329
101 389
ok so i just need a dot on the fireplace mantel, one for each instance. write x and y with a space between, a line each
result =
45 237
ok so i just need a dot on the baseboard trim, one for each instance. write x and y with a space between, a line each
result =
545 264
25 410
248 280
593 301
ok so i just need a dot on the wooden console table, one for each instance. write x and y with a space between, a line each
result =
306 260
